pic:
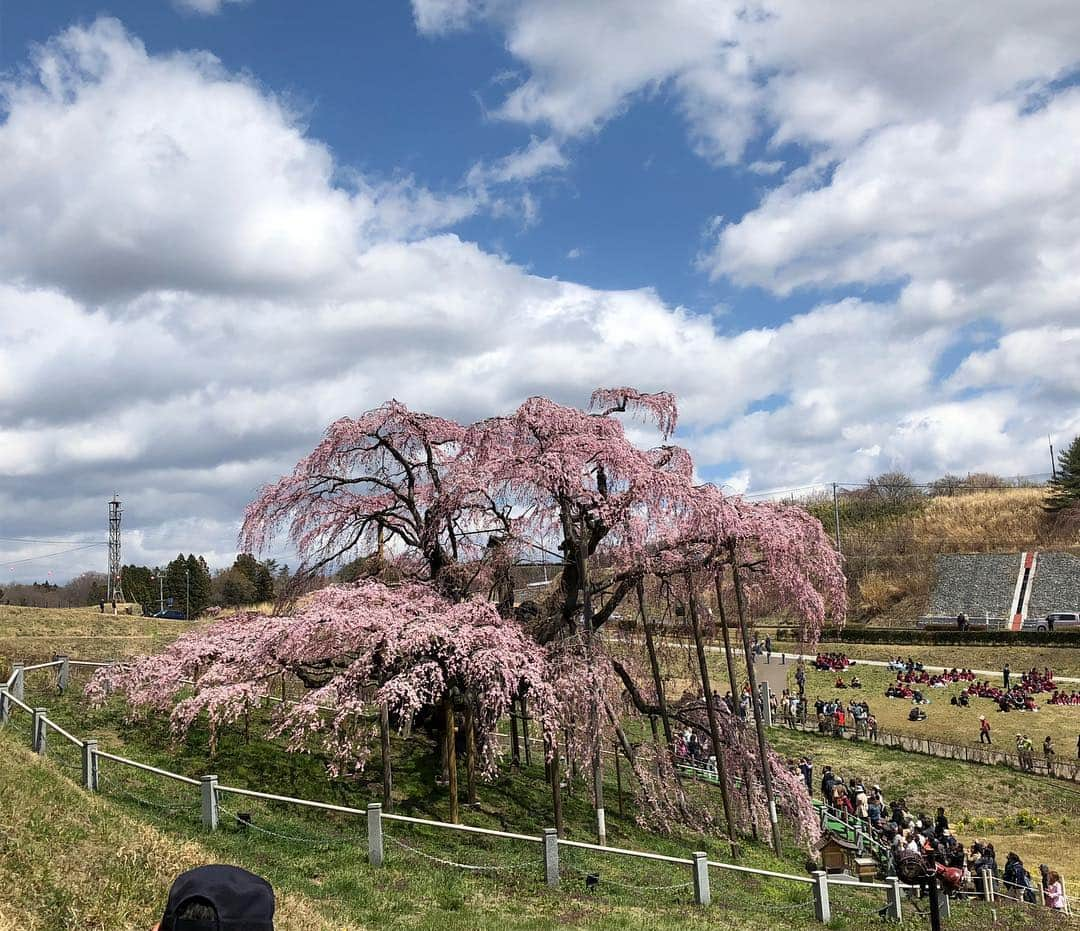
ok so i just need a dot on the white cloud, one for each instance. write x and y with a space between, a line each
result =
204 7
826 72
539 157
191 288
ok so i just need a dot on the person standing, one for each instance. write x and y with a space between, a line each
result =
984 730
1054 891
1006 673
768 648
800 681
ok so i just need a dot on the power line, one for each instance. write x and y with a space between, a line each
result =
43 557
52 542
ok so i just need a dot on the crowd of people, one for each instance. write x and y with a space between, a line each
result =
1061 697
834 662
898 827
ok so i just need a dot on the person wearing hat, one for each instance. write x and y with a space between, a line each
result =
218 898
984 730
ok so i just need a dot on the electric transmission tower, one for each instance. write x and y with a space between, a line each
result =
115 591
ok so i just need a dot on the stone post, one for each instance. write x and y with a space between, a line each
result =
5 707
38 739
766 707
63 675
822 911
987 885
551 857
90 765
18 684
374 834
702 895
894 898
210 802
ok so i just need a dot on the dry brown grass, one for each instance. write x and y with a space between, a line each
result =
984 520
36 634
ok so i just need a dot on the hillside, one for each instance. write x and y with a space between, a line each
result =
36 634
890 546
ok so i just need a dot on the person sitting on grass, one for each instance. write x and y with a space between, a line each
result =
916 713
218 897
856 682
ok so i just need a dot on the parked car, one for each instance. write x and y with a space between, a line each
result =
1060 620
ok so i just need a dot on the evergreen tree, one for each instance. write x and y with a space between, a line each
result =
199 585
175 583
1064 489
140 586
258 574
237 588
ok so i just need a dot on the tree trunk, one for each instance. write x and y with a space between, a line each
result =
759 724
387 772
658 682
470 753
714 724
451 758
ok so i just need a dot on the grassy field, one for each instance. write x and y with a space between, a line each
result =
36 634
1064 661
1037 817
945 721
105 863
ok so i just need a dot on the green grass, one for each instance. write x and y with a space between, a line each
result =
318 861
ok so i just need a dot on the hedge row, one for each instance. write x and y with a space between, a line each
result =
901 635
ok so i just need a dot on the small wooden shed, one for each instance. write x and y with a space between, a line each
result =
837 855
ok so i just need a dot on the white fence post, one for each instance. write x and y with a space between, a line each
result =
210 802
944 905
822 911
63 674
5 707
766 706
38 739
894 898
90 765
551 857
374 834
702 894
18 685
987 885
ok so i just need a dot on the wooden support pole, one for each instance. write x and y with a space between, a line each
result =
470 753
451 757
710 708
387 771
618 777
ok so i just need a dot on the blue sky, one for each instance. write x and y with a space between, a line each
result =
225 223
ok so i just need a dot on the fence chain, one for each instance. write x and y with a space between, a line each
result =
434 859
313 842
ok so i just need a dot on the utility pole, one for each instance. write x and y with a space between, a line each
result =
114 590
187 594
1053 463
836 516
